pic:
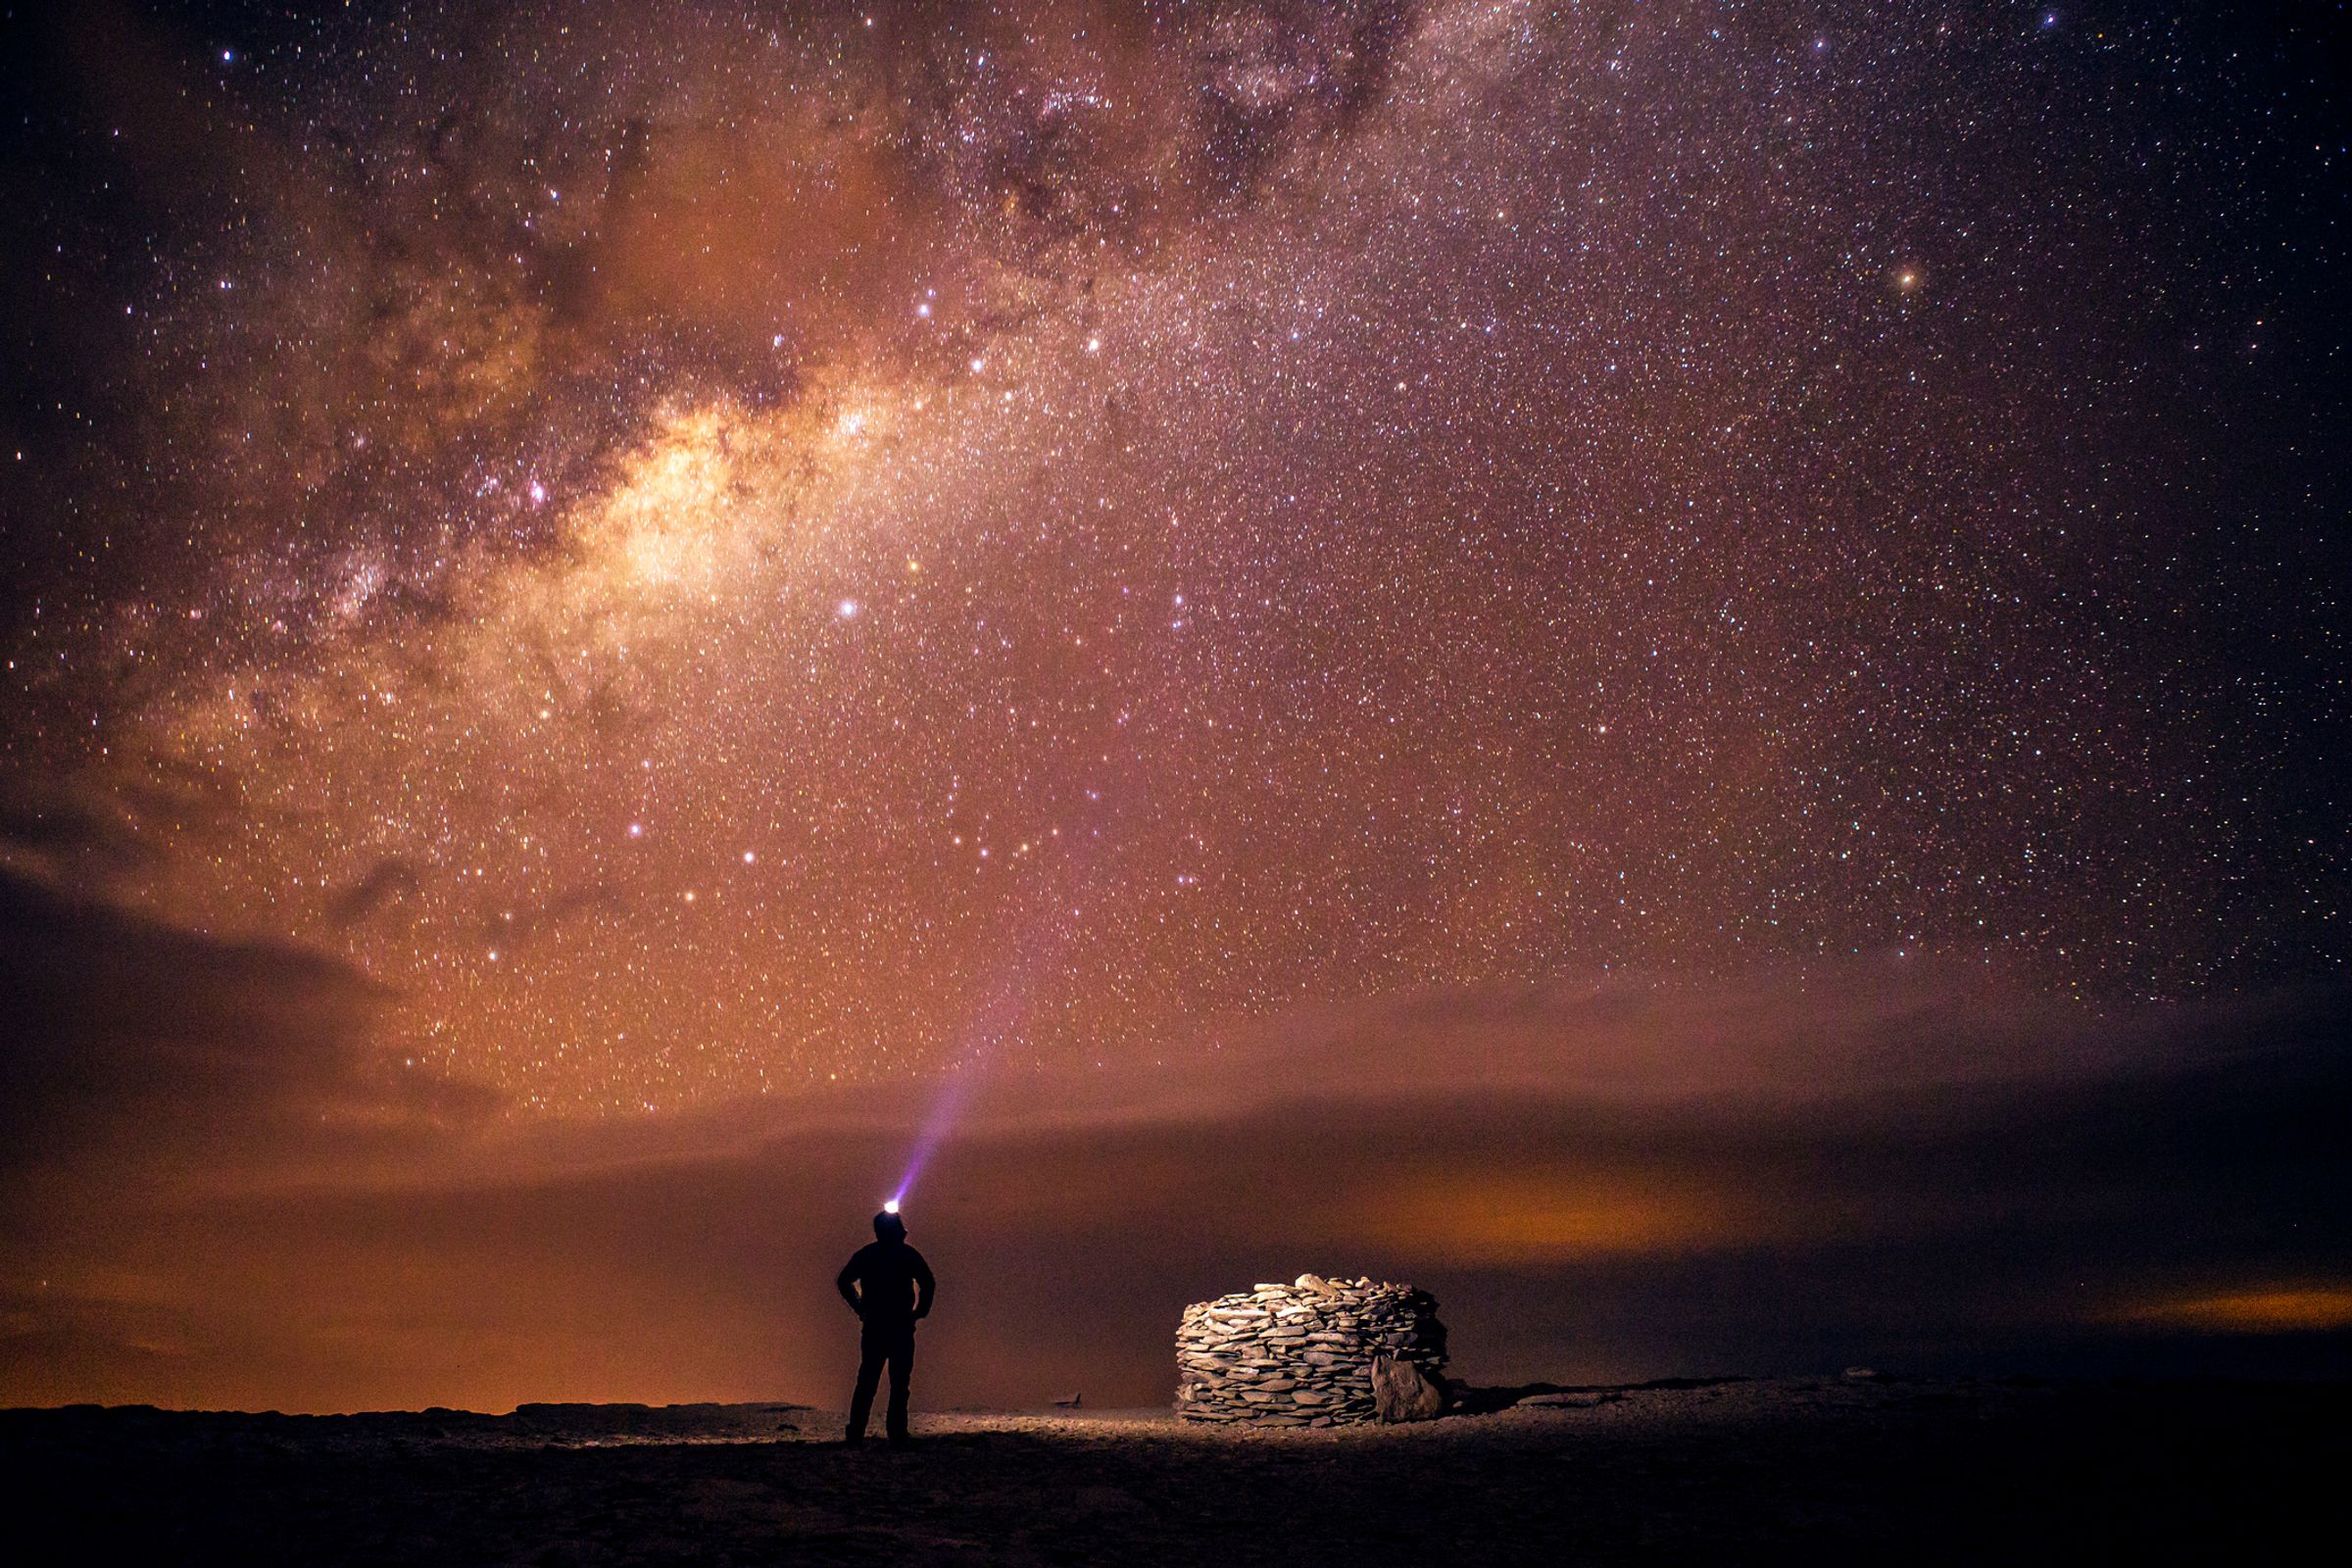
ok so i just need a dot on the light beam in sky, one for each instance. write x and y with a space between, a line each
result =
653 563
609 562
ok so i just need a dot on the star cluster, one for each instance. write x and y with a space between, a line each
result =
712 549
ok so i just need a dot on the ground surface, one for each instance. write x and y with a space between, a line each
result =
1736 1471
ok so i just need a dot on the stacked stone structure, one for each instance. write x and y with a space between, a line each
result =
1315 1352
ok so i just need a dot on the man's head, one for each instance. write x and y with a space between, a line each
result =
888 1227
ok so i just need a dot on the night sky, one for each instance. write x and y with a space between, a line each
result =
670 588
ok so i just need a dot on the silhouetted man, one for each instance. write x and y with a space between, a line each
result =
888 1285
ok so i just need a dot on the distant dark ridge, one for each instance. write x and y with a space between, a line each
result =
526 1422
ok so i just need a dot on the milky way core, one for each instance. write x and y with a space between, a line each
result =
709 550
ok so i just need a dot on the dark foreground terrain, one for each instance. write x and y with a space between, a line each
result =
1881 1471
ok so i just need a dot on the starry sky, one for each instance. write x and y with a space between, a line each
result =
661 555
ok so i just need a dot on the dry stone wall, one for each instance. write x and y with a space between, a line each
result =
1315 1352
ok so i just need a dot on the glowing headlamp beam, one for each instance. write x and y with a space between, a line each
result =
1001 1014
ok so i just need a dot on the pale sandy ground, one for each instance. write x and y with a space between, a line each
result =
1823 1470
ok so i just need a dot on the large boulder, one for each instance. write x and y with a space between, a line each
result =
1403 1391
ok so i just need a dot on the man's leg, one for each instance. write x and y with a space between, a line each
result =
869 1373
902 1369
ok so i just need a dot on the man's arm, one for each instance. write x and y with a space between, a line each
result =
847 1285
923 1285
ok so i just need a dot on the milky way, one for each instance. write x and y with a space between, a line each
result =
710 550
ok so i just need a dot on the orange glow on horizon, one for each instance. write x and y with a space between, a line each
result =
2289 1310
1474 1219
